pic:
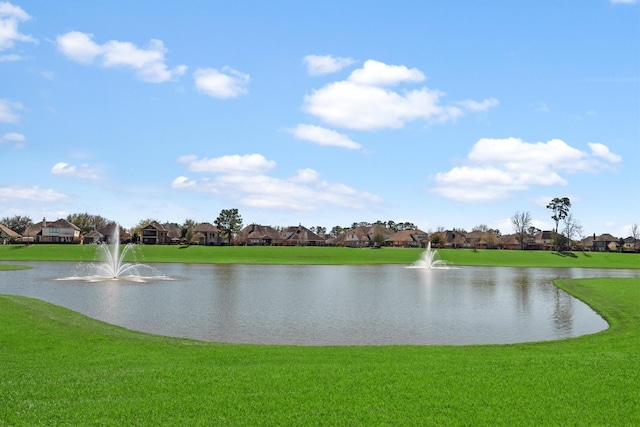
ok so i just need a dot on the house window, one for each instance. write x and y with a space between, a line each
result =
54 230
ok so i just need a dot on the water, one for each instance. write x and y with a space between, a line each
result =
429 259
328 305
112 267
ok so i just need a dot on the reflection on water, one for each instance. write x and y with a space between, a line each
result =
328 305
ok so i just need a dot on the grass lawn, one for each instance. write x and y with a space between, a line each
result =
62 368
321 255
59 367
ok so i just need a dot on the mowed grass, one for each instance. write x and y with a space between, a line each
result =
62 368
321 255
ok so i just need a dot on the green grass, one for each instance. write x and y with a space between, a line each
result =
62 368
7 267
322 255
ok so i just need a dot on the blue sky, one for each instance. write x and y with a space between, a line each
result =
441 113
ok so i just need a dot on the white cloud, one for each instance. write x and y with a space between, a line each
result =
10 58
149 63
496 168
225 83
10 17
248 164
304 191
83 171
7 111
18 138
624 1
325 64
376 73
322 136
20 192
602 151
365 102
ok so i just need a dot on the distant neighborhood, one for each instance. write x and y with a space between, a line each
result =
367 235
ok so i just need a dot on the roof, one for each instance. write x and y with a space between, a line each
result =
363 233
63 223
156 225
33 230
8 232
408 236
205 227
302 234
257 231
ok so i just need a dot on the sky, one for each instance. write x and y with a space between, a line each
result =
446 114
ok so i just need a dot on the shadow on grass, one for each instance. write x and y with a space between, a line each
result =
566 254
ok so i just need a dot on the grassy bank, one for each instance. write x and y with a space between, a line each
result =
322 255
59 367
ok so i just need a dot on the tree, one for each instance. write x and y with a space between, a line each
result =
378 240
481 227
438 239
521 222
229 222
572 228
336 231
560 208
319 230
635 233
187 230
87 222
490 239
17 223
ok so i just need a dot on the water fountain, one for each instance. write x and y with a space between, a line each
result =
429 259
112 266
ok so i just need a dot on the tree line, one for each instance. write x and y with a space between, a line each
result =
229 223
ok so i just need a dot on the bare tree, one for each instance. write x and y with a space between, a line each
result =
521 222
572 228
635 233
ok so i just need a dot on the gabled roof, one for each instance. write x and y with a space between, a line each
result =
155 225
63 223
33 230
363 233
205 227
259 232
301 233
94 234
606 237
408 236
8 232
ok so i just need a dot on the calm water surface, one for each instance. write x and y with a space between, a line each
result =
328 305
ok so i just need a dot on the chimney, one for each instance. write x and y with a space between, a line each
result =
44 222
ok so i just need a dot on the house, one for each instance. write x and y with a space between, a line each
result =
511 241
94 236
363 236
455 239
408 239
301 236
60 231
259 235
630 244
206 234
109 231
605 243
174 234
154 234
7 235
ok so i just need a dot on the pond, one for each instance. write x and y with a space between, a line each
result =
328 305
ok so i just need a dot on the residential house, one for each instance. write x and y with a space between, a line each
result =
206 234
7 235
109 231
605 243
408 239
510 241
455 239
60 231
93 237
363 236
259 235
630 244
32 233
154 234
301 236
174 233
